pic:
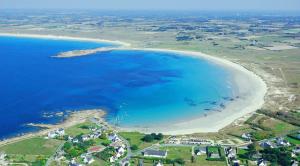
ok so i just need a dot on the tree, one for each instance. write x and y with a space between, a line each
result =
179 161
67 146
277 155
148 138
134 147
193 159
159 136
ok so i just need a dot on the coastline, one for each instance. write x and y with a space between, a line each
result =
247 83
74 118
54 37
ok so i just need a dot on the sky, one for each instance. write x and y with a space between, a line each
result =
232 5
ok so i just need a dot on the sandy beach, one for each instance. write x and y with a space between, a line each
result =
54 37
250 87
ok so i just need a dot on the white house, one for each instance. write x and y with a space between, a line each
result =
114 137
282 142
200 150
88 160
75 140
246 136
52 134
159 164
85 137
60 131
261 162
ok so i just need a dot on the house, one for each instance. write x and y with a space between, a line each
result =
174 140
85 137
261 162
112 159
295 163
52 134
70 138
60 132
114 137
282 142
200 150
235 162
155 153
2 155
266 144
158 164
75 140
73 163
246 136
296 150
88 160
96 134
121 150
230 152
3 161
56 133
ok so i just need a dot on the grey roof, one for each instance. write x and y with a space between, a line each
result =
152 152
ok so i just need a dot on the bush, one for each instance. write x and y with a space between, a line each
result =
151 137
134 147
179 161
148 138
84 127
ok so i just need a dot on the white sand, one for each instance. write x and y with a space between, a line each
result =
250 87
63 38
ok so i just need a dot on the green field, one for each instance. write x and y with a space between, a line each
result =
32 146
135 138
29 150
178 152
77 129
293 140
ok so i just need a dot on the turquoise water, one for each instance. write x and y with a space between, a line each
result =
136 88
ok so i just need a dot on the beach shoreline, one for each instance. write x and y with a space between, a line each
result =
248 83
215 121
74 118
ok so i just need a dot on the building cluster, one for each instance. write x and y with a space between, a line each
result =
56 133
189 141
118 145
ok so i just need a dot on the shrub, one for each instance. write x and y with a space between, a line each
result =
134 147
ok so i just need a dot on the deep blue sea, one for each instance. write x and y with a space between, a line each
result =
136 88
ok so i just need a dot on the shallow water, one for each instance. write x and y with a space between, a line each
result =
137 88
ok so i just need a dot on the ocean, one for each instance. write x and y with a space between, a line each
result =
137 88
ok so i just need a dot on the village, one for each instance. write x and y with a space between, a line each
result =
94 143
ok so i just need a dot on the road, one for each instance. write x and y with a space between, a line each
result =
51 158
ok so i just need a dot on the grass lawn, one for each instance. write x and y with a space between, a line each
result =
76 130
213 149
99 162
135 138
293 140
278 127
201 160
178 152
32 146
